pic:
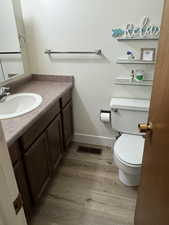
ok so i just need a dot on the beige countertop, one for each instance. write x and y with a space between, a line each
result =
50 90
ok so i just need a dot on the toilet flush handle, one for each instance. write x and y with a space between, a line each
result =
115 110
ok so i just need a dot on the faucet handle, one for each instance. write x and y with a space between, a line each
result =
4 90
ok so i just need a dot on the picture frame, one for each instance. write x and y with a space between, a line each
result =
148 54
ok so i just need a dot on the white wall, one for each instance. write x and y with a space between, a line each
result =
86 25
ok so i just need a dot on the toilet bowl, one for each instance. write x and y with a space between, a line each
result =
127 155
126 114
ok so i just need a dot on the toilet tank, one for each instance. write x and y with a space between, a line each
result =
128 113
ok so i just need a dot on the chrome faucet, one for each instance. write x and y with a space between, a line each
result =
4 92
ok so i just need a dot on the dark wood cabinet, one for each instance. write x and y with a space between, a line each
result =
54 134
67 124
36 154
37 166
23 188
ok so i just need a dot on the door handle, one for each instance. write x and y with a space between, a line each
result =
145 127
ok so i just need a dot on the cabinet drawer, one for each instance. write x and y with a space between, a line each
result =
66 98
39 126
14 152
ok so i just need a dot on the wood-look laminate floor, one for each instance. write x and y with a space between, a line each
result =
86 191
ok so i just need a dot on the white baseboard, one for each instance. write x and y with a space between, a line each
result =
93 140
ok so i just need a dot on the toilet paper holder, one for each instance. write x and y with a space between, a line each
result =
106 118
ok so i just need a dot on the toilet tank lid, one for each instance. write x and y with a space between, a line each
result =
130 104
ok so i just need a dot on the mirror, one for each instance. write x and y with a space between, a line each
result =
11 63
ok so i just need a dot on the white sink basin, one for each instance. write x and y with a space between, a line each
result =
19 104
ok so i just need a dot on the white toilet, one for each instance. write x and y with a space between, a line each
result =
128 149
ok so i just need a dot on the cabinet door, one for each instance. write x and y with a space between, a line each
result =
54 133
67 124
37 166
23 188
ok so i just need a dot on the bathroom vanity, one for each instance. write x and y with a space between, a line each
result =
38 140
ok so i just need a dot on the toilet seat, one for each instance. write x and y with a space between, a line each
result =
129 149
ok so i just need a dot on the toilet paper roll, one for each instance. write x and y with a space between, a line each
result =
105 117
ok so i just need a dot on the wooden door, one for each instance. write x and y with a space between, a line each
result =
54 133
67 124
37 167
8 188
153 198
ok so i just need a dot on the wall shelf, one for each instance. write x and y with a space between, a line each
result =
126 61
127 81
137 39
135 83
